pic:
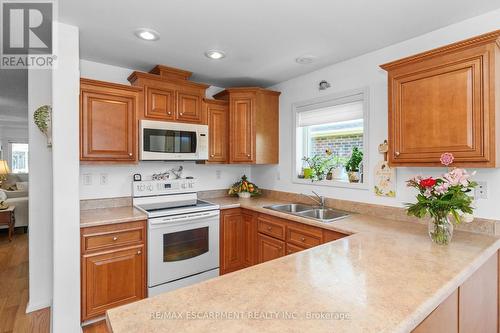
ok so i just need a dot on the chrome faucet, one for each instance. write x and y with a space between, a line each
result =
319 199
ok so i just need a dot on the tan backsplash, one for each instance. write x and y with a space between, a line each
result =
480 225
105 203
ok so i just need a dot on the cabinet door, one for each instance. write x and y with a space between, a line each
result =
290 248
444 319
442 105
250 233
160 103
242 138
111 279
107 126
478 299
269 248
232 241
189 107
217 133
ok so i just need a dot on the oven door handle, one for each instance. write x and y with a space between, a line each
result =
180 218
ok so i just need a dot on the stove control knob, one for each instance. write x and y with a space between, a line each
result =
141 187
190 185
150 188
183 185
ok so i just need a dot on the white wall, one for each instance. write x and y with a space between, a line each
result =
40 196
358 73
65 163
120 176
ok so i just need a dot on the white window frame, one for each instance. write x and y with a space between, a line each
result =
324 102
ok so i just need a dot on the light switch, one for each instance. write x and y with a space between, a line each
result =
104 178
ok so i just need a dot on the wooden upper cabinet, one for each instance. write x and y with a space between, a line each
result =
242 147
108 123
170 96
444 100
253 125
189 107
218 130
159 103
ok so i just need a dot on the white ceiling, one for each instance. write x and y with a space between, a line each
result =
262 38
13 98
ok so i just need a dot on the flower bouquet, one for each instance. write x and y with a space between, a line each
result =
443 197
244 188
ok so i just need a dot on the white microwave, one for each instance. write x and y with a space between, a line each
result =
167 141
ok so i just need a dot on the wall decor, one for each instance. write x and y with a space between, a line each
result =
43 120
385 176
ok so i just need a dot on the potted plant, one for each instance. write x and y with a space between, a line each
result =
244 188
319 166
352 165
441 198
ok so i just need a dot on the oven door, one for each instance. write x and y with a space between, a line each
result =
182 245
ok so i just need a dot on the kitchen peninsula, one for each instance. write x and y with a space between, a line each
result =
385 277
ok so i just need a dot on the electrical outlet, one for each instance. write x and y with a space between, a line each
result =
278 176
217 174
87 179
481 191
104 178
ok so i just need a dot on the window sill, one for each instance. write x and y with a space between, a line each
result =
332 183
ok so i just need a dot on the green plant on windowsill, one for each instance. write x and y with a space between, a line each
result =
320 165
352 165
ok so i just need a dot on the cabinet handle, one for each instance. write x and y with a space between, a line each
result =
269 228
139 252
169 112
397 153
130 154
303 239
115 238
248 155
181 113
212 155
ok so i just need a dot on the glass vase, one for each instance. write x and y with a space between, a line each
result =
440 230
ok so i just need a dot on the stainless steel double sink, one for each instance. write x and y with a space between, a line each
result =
312 212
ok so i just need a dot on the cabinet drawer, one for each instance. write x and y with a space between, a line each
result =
290 248
110 236
303 238
271 226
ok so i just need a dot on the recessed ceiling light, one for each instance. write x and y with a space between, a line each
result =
215 54
306 59
147 34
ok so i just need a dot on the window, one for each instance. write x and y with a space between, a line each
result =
327 130
19 157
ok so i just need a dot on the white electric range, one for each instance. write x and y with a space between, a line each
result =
183 233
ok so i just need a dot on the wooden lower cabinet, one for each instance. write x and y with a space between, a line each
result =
232 241
113 273
248 238
472 308
113 279
290 248
269 248
478 299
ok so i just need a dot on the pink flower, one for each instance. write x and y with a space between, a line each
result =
442 188
447 158
457 177
428 193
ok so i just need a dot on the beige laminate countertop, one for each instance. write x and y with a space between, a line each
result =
103 216
386 277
